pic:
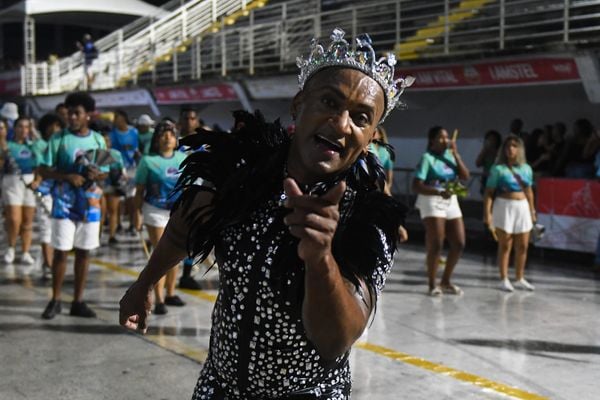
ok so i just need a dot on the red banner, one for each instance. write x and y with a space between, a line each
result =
195 94
10 83
569 197
543 70
570 211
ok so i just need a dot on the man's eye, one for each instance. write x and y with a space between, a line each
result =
361 120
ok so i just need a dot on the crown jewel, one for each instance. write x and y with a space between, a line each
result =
340 54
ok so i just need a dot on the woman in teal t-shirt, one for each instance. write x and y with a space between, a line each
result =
155 179
513 213
19 162
439 209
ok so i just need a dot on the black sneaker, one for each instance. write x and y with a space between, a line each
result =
174 301
187 282
112 241
54 307
160 309
80 309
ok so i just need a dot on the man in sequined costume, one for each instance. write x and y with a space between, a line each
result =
304 251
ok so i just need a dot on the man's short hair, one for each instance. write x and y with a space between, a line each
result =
59 106
123 114
186 110
82 99
48 120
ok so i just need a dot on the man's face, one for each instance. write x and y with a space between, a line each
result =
63 112
188 123
78 119
143 128
336 116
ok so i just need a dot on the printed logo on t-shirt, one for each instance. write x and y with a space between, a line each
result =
172 172
24 153
77 153
446 168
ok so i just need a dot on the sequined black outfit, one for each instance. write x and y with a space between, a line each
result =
258 346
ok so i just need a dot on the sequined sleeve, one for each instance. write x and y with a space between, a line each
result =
384 263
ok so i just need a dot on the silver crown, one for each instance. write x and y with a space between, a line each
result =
340 54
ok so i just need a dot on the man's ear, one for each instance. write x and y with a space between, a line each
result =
295 107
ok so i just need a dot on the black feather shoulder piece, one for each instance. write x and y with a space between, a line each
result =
244 169
240 168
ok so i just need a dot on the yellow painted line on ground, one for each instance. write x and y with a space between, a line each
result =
114 267
178 347
441 369
451 372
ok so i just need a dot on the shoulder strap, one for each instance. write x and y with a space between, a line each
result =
445 161
517 177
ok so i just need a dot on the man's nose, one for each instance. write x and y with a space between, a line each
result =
341 122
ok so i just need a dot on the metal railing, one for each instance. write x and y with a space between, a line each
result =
130 51
498 27
195 41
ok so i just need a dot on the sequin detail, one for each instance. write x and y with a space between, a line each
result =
258 347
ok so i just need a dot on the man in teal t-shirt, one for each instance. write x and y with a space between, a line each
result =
75 218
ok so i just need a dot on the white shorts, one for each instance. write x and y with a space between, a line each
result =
438 207
44 219
15 193
67 234
154 216
512 216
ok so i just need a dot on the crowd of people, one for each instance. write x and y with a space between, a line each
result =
550 151
84 172
143 170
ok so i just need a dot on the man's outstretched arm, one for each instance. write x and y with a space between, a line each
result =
136 304
334 314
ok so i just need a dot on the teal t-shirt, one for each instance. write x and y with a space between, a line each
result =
65 147
145 139
503 180
21 158
436 170
64 153
383 155
159 175
39 149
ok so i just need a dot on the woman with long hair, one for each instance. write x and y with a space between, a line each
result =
18 199
511 212
439 207
155 179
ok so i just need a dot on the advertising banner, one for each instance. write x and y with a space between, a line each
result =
515 72
570 211
195 94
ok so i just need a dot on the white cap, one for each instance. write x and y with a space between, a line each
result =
145 120
9 111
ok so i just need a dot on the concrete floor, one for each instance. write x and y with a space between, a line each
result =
484 345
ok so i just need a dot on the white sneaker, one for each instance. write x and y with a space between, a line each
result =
506 285
26 258
524 285
9 256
